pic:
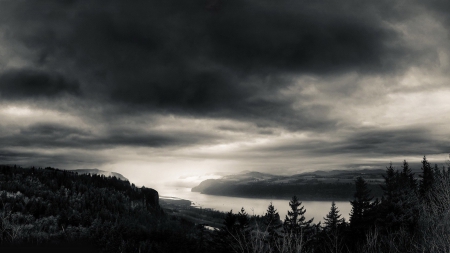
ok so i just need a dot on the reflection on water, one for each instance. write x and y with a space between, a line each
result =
314 209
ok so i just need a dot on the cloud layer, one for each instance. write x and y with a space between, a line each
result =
223 80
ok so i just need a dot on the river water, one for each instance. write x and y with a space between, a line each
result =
256 206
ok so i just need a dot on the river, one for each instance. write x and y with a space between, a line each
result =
256 206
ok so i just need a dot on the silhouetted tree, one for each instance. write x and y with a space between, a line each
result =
427 178
333 219
390 184
408 182
242 218
390 212
361 213
272 222
230 220
295 223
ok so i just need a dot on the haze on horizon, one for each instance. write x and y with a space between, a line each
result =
171 90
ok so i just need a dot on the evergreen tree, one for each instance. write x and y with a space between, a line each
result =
225 238
427 178
272 222
331 239
359 215
230 221
408 200
243 229
333 219
392 210
407 177
242 218
295 224
390 183
295 219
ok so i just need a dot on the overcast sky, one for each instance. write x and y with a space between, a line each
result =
171 89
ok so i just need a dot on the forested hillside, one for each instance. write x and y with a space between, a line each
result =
51 208
318 185
309 191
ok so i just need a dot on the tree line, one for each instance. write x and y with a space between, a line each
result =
50 207
411 216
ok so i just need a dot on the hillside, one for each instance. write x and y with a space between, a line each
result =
101 172
318 185
63 211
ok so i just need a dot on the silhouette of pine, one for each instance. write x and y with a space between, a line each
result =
295 221
395 209
230 220
242 218
390 183
360 215
426 183
408 182
272 222
333 219
295 224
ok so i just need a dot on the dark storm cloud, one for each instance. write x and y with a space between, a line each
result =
229 60
440 8
59 136
300 36
406 141
24 83
41 158
374 141
277 80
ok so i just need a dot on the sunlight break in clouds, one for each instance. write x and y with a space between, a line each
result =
156 91
18 111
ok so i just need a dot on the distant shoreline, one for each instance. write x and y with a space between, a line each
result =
301 198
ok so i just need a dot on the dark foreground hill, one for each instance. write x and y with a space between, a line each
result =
62 211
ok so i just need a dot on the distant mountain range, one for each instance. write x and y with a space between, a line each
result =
101 172
317 185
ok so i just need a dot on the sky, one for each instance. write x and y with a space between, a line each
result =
177 91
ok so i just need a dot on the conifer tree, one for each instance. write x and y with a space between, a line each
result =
242 218
295 224
427 178
332 239
272 222
407 177
230 220
390 183
242 229
360 213
271 215
295 221
394 206
333 219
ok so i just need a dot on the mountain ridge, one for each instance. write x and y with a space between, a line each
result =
101 172
316 185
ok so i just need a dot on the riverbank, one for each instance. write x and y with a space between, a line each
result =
182 208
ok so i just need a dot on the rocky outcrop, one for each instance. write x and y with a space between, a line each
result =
151 198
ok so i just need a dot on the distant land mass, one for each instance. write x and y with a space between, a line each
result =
101 172
317 185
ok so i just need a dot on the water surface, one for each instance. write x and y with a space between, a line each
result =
256 206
